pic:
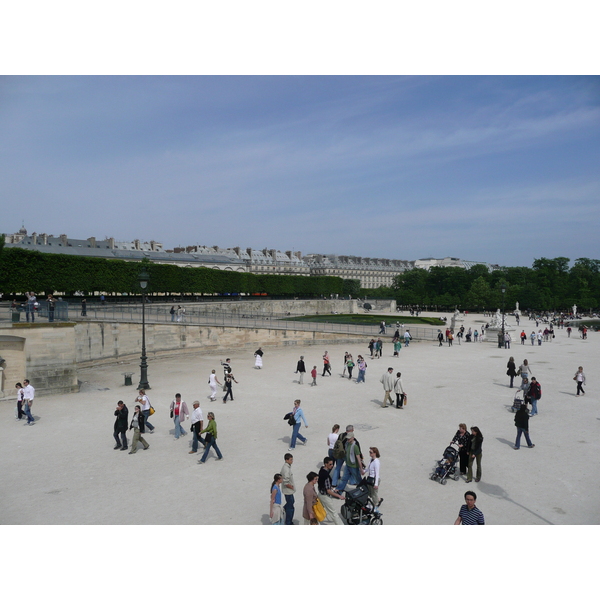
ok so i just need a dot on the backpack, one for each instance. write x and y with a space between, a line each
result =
339 448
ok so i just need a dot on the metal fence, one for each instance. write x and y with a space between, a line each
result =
202 316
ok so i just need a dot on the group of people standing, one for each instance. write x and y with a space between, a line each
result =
329 484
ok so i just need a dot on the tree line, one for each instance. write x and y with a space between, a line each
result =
29 270
548 285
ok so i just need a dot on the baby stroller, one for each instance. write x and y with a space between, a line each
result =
446 467
358 508
517 401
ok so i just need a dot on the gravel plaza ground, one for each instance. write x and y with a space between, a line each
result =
74 477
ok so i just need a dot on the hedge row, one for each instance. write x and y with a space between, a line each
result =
22 270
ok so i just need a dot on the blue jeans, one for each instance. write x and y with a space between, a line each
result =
520 431
195 439
351 475
296 435
289 509
178 428
146 414
209 445
27 411
361 376
533 407
337 470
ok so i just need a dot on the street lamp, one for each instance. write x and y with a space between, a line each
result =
503 289
143 278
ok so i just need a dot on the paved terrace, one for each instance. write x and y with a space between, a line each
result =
63 470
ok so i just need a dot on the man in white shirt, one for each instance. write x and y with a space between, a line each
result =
28 395
197 427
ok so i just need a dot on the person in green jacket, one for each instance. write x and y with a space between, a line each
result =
210 439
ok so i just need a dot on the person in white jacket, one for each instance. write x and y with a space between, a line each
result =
371 475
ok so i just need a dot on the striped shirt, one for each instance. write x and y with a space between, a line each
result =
470 517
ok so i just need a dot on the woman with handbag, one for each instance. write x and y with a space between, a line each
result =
371 475
147 409
310 498
298 415
511 370
210 439
462 438
475 454
275 510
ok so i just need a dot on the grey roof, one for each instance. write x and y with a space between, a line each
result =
136 255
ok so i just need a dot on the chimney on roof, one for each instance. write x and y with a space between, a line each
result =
92 241
34 237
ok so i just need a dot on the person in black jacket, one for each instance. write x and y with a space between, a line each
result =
475 453
511 370
522 425
121 423
301 368
138 424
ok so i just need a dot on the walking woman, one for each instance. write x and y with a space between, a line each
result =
179 412
475 454
332 439
298 415
579 378
20 412
310 497
138 426
463 439
145 402
349 365
275 510
210 439
525 370
362 368
213 382
228 383
511 369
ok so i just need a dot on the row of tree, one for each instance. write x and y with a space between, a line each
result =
29 270
549 285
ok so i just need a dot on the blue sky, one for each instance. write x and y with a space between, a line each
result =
500 169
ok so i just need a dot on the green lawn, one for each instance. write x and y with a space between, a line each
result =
366 319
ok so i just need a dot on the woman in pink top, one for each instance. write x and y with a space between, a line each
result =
179 412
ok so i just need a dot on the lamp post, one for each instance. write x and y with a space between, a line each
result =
503 289
143 278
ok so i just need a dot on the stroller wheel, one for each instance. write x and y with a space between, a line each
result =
456 478
377 521
432 477
443 481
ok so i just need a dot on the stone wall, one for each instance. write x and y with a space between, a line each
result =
98 342
44 353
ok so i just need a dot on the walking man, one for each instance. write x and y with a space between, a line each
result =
137 424
197 426
120 427
301 368
469 514
28 395
387 380
354 465
288 488
533 394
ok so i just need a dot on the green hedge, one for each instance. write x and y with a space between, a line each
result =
22 270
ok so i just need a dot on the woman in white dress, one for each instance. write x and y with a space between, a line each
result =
213 382
258 359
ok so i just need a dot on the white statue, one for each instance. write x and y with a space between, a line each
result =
574 310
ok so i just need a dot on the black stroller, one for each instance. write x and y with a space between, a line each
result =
446 467
358 508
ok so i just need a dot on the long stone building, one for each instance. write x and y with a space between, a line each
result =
371 272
